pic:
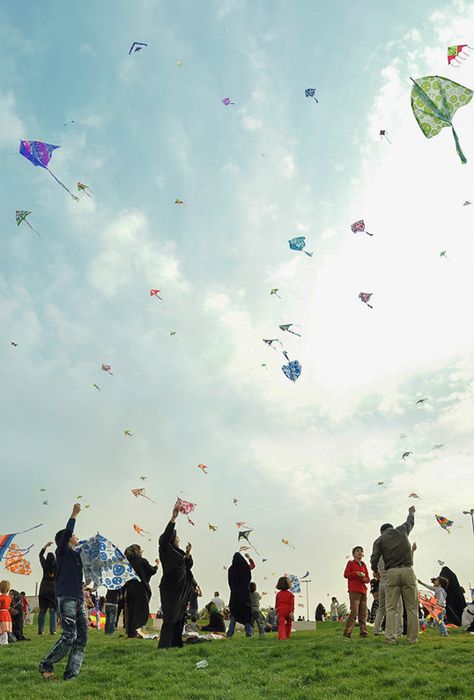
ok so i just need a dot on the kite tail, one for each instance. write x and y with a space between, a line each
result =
458 147
298 334
62 185
318 103
33 229
310 255
370 306
388 140
369 234
150 499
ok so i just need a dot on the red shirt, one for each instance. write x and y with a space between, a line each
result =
284 603
356 584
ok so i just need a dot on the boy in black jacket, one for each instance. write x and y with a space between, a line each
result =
70 604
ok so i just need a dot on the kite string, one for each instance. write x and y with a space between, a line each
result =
62 185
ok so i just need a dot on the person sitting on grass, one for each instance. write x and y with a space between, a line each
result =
216 619
257 616
16 611
357 579
72 611
285 607
271 621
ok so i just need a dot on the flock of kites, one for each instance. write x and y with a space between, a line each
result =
434 101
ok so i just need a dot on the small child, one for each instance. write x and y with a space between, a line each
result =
255 603
440 595
285 606
25 605
357 579
5 617
334 609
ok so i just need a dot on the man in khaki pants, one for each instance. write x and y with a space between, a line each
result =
400 580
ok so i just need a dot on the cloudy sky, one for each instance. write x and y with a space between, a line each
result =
303 459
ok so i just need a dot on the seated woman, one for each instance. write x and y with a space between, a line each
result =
216 620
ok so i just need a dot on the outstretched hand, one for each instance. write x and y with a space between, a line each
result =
189 546
157 562
411 509
76 510
175 513
48 544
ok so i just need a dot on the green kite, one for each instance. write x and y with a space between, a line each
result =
434 101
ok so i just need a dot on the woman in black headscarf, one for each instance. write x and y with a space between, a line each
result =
176 586
16 612
138 592
320 613
239 576
455 601
47 595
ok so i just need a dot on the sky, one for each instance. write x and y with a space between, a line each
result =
303 459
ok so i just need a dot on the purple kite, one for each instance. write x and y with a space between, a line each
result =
40 153
360 226
365 297
227 101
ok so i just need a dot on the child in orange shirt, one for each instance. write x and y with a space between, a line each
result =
285 606
5 617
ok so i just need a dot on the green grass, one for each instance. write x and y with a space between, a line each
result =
311 665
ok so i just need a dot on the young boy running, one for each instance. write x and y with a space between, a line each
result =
70 604
357 579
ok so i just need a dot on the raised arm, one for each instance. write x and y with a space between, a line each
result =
426 585
69 529
409 524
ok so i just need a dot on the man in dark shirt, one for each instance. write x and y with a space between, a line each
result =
393 545
70 604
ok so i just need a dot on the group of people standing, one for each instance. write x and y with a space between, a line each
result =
398 604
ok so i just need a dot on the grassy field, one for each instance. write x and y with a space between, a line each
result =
319 664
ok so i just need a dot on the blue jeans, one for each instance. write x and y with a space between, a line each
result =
442 627
73 639
53 620
110 617
231 630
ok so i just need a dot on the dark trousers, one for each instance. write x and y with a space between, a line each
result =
110 617
171 634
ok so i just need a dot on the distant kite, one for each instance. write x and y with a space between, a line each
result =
422 400
292 370
287 327
143 478
406 454
444 522
283 541
213 528
227 101
81 187
360 226
106 368
444 254
311 92
413 495
274 292
15 345
457 52
305 576
467 203
15 561
365 298
39 153
178 202
21 217
155 293
127 433
438 446
241 523
383 134
203 468
244 535
96 386
136 47
299 243
139 530
190 521
269 341
141 492
236 500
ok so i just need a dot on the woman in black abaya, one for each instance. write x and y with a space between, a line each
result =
47 595
138 592
239 576
176 586
455 601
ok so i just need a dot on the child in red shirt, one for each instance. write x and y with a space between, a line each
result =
357 579
285 606
5 617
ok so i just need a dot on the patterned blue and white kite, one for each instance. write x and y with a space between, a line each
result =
299 243
104 564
